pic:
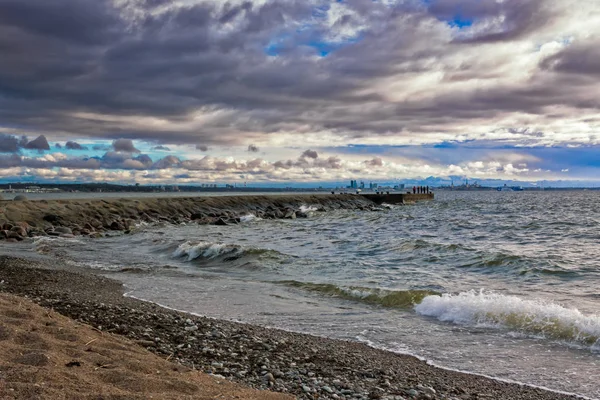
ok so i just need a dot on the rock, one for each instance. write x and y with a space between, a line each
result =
426 389
300 214
196 216
19 230
289 214
269 377
117 226
95 223
62 230
14 235
20 197
327 389
220 222
52 218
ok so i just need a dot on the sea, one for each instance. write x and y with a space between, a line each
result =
502 284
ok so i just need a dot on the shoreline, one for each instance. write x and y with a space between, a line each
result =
264 358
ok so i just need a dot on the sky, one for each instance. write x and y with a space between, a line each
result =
299 91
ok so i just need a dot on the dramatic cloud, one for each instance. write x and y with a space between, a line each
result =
40 143
74 146
298 74
124 145
161 148
310 154
8 144
410 72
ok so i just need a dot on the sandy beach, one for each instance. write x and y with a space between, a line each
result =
304 366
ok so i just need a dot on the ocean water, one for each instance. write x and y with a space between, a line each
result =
505 284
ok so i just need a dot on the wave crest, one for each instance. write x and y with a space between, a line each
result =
531 317
208 251
381 297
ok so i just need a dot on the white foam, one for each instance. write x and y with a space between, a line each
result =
208 250
308 209
360 338
533 317
249 218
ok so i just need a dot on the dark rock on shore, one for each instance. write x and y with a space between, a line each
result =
306 366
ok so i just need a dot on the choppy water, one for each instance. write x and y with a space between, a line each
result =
502 284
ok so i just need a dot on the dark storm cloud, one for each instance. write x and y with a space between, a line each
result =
124 145
66 64
580 59
74 146
8 144
40 143
310 154
161 148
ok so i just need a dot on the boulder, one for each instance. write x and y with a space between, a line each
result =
196 216
62 230
52 218
289 214
117 226
19 231
20 197
15 235
301 214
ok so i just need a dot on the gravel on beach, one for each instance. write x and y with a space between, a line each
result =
305 366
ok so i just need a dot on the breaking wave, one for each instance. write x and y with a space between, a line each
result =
208 251
382 297
249 218
530 317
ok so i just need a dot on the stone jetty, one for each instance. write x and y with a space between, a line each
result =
93 217
397 198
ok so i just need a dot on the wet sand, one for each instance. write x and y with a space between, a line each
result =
305 366
44 355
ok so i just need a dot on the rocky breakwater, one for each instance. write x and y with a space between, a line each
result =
66 218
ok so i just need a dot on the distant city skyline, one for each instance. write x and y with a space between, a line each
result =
300 93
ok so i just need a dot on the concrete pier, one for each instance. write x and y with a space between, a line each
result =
398 198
